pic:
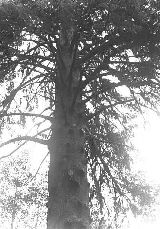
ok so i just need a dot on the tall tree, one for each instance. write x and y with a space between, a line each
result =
95 63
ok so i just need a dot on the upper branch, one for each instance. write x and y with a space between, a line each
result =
106 45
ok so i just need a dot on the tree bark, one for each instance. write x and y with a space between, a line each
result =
67 179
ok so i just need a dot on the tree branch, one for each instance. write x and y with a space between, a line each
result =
32 57
101 48
103 108
39 167
13 151
25 138
93 75
20 145
27 114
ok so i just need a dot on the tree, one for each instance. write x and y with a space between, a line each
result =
81 57
22 197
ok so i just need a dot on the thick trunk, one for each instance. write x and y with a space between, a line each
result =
67 180
68 186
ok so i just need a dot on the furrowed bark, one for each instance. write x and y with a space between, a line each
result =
67 179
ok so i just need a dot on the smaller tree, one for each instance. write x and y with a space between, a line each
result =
22 198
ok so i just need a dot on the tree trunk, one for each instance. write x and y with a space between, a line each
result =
12 223
12 219
67 179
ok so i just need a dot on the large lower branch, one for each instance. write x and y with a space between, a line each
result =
25 138
26 114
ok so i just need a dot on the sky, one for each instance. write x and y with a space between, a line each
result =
147 141
147 159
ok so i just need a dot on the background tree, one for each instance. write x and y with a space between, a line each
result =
22 196
95 65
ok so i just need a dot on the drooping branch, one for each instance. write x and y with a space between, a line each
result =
13 151
8 100
23 143
39 167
